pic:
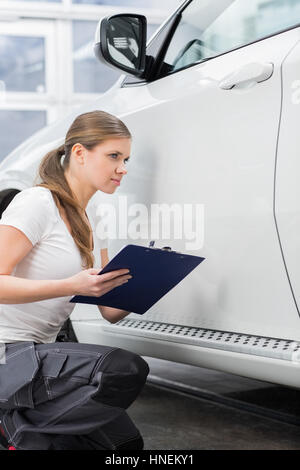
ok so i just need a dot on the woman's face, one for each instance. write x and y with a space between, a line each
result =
105 165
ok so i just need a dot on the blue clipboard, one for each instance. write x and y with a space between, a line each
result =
155 272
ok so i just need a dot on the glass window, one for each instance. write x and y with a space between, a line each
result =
167 4
44 1
16 126
22 65
90 75
211 27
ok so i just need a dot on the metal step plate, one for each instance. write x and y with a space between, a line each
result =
287 350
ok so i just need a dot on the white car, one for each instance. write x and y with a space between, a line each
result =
212 102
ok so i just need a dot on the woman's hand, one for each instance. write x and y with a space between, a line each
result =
88 282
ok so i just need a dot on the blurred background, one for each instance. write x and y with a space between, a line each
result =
47 63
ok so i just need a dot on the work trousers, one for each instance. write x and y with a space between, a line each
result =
69 389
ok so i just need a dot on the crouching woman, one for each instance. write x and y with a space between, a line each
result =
56 395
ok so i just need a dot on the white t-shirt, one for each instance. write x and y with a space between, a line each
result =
54 255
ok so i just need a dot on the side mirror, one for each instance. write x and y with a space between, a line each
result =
121 42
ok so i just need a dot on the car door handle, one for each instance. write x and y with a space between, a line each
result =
250 73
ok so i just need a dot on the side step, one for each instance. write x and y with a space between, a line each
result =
287 350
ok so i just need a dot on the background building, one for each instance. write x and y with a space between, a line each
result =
47 63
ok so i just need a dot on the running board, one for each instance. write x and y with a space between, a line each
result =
287 350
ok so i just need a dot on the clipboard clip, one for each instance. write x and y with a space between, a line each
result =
166 248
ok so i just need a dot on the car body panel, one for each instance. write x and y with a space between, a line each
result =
196 143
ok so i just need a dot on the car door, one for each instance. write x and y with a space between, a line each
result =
287 195
206 133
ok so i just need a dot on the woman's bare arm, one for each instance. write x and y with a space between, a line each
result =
113 315
104 257
15 290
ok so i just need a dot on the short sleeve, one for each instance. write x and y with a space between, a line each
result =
30 212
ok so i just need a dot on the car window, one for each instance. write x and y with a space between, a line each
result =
209 28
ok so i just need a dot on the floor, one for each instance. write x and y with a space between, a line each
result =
172 420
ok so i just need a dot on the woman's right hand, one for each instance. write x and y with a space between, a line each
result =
88 282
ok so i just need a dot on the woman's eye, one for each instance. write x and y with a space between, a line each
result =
115 155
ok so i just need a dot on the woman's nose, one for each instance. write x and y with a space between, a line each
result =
122 169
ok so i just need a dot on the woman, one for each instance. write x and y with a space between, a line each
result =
56 395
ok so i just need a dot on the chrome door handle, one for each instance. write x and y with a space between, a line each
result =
254 72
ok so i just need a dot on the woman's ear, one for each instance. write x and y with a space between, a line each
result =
78 151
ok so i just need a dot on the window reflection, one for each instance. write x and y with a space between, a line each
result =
208 29
16 126
22 65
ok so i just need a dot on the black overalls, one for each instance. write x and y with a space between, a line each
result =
73 389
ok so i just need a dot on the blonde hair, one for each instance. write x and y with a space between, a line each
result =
88 129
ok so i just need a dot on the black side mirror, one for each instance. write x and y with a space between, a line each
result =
121 42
